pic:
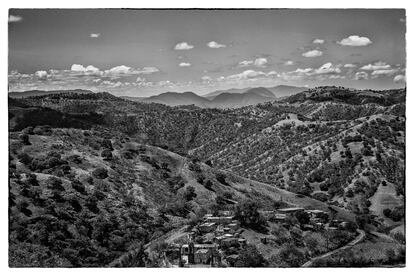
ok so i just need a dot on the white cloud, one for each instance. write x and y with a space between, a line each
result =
147 70
399 78
349 65
313 53
87 69
245 63
302 71
41 75
184 64
386 72
380 65
15 18
361 75
246 75
327 68
183 46
95 35
118 70
318 41
260 62
215 45
355 40
289 62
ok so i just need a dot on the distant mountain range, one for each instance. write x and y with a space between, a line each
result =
278 91
34 93
231 98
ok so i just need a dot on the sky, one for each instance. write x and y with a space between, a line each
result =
141 53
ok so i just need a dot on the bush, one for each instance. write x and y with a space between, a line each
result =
292 256
247 212
24 158
189 193
100 173
55 184
221 178
24 138
78 186
75 159
107 144
250 257
106 154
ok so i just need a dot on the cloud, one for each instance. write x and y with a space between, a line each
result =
354 40
94 35
303 71
247 75
147 70
318 41
126 70
327 68
82 69
313 53
183 46
215 45
361 75
379 65
245 63
386 72
399 78
184 64
41 75
260 62
289 62
349 65
15 18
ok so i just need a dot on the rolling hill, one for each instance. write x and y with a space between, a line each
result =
34 93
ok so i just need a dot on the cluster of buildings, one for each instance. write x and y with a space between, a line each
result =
209 238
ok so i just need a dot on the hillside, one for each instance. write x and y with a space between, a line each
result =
97 194
315 154
34 93
277 91
223 99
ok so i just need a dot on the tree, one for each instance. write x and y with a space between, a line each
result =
247 212
24 138
189 193
250 257
106 154
302 217
107 144
292 256
100 173
221 177
55 184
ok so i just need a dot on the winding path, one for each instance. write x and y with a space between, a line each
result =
358 239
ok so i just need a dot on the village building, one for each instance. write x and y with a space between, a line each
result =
207 227
291 210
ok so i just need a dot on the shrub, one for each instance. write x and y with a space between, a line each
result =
250 257
189 193
75 159
107 144
55 184
24 158
78 186
24 138
292 256
106 154
247 212
100 173
221 178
